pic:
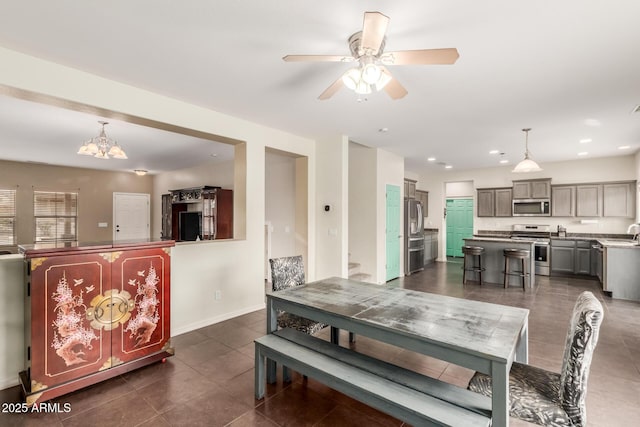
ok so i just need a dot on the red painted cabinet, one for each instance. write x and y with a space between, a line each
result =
92 313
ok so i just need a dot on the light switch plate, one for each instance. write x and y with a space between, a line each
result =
103 225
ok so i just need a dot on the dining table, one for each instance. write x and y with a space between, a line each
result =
481 336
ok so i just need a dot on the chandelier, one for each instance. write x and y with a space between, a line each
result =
526 165
102 146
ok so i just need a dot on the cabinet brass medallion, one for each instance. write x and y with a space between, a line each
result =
110 310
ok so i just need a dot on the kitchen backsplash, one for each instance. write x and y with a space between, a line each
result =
573 225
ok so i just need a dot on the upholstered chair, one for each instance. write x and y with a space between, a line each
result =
288 272
548 398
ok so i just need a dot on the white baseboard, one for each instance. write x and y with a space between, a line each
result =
9 382
216 319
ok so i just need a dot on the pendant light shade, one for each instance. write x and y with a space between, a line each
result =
526 165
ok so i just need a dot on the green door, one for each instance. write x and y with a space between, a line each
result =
393 232
459 224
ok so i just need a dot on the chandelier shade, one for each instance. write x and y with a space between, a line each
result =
526 165
102 146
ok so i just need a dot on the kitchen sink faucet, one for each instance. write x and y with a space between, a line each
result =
634 227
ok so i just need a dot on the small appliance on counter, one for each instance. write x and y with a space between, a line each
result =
562 231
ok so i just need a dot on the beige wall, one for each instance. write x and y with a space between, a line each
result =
362 208
332 232
280 203
95 190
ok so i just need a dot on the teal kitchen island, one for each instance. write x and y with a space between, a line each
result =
493 259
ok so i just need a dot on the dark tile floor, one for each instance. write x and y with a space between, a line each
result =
210 380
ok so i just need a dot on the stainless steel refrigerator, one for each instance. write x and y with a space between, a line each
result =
413 236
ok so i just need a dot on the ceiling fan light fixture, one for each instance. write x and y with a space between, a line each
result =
382 81
363 88
371 73
526 165
351 78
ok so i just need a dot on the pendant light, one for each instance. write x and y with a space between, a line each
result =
527 165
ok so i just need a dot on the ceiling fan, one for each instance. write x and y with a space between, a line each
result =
367 48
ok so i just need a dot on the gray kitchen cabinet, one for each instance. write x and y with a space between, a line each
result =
409 188
583 257
423 197
486 202
503 200
494 202
428 256
563 200
563 257
571 257
532 189
589 200
619 200
434 246
430 247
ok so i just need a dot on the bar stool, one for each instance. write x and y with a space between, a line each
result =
472 251
516 254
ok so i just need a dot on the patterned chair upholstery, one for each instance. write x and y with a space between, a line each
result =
546 398
287 272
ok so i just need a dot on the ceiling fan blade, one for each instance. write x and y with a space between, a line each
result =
331 90
423 56
374 28
394 89
318 58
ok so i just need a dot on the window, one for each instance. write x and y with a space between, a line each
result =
7 217
56 216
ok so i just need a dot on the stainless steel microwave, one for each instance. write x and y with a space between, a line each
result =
531 207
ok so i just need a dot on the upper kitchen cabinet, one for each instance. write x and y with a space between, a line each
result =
409 188
610 199
563 200
423 198
504 203
589 200
619 200
486 202
532 189
494 202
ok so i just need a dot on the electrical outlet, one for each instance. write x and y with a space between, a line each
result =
218 295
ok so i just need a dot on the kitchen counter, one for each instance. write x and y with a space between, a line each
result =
626 244
493 258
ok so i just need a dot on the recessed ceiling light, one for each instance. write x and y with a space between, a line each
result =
624 147
448 167
494 151
504 161
585 140
431 159
383 130
583 153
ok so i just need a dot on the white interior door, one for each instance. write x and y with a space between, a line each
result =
131 216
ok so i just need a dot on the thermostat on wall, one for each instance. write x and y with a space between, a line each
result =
327 208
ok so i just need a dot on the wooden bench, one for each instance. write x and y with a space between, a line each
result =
399 392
